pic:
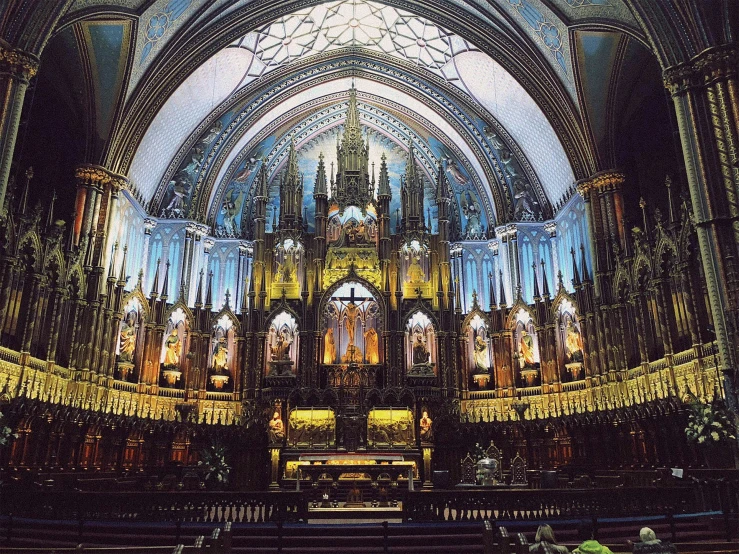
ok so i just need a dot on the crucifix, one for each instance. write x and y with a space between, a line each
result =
352 310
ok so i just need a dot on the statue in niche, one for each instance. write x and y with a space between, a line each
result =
473 213
220 356
573 343
276 428
172 354
280 351
525 205
230 209
329 347
482 358
427 434
180 187
415 271
371 346
128 338
285 271
526 350
420 352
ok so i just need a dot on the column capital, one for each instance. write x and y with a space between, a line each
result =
18 63
603 181
718 62
99 177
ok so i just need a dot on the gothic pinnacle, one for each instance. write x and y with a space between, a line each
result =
320 187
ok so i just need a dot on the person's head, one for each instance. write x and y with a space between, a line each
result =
545 533
647 535
585 530
276 415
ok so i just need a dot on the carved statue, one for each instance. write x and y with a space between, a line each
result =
172 354
415 272
371 347
329 347
352 312
285 271
427 434
482 358
573 343
526 350
230 209
473 213
420 352
281 349
455 173
220 355
276 428
128 338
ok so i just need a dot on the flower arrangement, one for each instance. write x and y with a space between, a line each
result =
213 460
478 452
709 423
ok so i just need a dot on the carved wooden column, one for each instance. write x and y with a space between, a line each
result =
705 93
17 68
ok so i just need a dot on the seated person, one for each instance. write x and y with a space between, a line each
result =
650 544
546 543
589 544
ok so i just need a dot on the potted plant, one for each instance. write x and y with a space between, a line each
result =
213 461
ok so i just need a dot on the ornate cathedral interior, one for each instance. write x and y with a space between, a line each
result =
454 260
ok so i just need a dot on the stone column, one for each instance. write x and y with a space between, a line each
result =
705 93
17 68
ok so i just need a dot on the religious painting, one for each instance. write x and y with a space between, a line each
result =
351 326
282 345
526 349
173 348
311 427
388 427
420 341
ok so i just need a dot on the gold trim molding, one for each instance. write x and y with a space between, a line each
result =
18 63
98 177
603 181
719 62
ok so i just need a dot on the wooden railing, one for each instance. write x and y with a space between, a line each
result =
196 506
527 504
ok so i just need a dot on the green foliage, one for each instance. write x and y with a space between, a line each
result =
5 432
709 423
213 459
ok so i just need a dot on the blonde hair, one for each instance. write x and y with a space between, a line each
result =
545 533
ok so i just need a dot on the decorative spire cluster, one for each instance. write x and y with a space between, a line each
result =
353 186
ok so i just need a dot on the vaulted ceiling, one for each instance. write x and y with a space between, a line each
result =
520 98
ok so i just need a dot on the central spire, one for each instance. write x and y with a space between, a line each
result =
353 186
